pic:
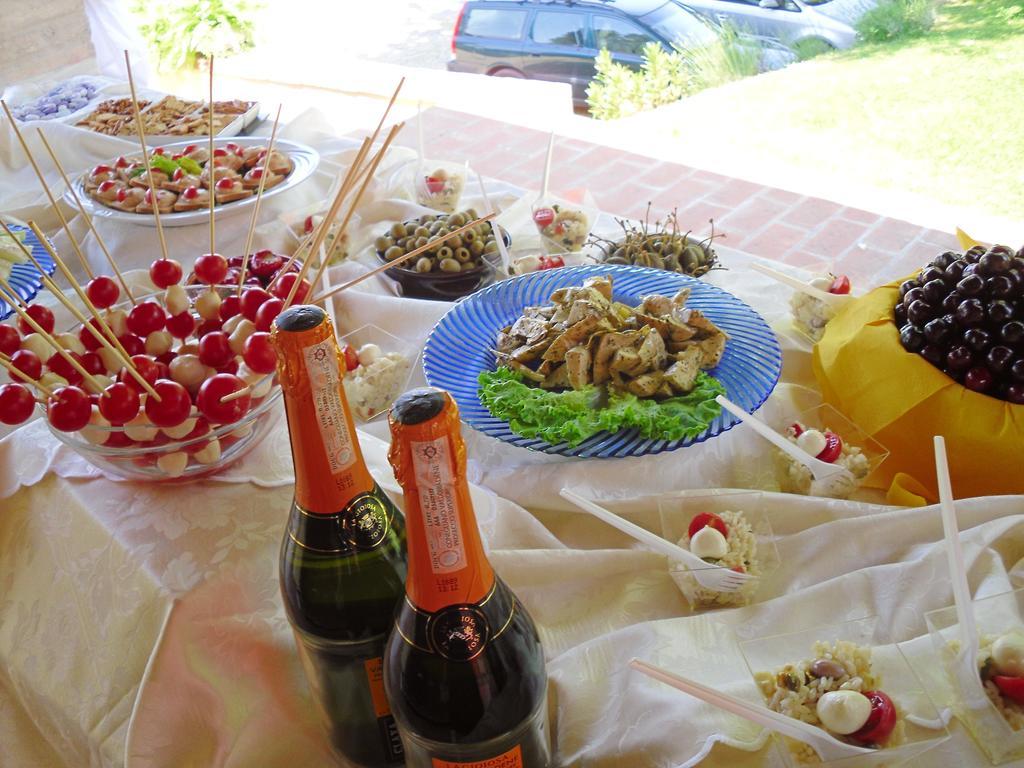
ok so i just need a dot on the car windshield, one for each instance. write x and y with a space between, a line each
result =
678 26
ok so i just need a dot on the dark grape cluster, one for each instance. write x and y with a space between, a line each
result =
964 314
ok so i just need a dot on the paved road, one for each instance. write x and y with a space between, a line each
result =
411 32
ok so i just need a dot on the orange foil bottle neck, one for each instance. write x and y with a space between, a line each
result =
447 564
329 466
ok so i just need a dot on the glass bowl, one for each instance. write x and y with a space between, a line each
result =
862 455
919 726
983 715
756 546
149 454
370 391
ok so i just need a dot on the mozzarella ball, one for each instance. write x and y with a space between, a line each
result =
843 712
188 371
368 353
173 464
208 305
812 441
51 380
102 382
36 343
93 435
181 430
709 542
158 342
140 429
176 300
117 319
209 454
1008 654
70 341
237 339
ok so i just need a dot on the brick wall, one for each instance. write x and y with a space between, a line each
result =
41 36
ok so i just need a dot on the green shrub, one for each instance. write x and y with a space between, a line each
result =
180 31
667 76
896 20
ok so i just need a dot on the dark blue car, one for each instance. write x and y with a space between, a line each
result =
559 40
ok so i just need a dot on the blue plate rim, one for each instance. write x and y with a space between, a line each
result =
25 278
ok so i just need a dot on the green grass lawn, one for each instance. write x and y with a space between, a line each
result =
940 116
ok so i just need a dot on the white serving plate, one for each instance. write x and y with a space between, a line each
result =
306 160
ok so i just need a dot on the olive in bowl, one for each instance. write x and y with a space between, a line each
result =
447 270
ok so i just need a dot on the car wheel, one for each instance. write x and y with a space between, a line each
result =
507 72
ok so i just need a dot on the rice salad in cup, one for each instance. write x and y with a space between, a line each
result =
836 690
728 540
563 229
440 189
811 314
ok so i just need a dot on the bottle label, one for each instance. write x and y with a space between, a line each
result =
325 388
382 710
435 479
511 759
459 632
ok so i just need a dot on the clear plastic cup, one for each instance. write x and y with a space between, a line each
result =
371 389
438 185
564 226
990 720
862 455
756 547
919 726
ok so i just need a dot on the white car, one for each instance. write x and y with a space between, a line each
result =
797 24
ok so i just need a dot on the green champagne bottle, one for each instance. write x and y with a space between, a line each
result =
464 668
343 553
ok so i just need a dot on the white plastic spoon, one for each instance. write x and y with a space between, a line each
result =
828 747
823 471
833 299
506 260
967 660
714 577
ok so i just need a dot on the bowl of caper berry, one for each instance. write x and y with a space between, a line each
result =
451 269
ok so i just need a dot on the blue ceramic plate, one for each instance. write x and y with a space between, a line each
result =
25 278
459 349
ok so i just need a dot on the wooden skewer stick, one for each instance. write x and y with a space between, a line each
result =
16 371
327 220
212 166
46 189
240 393
401 259
321 231
358 171
256 206
96 334
351 209
7 293
145 158
78 289
86 216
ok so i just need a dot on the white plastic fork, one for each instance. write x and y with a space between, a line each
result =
823 472
832 299
827 746
967 660
714 577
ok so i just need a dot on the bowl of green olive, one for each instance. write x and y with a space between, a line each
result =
451 269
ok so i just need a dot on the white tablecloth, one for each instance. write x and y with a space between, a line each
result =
141 625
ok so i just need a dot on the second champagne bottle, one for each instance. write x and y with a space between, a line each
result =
464 668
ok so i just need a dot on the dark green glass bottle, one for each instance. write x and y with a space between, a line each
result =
464 669
343 553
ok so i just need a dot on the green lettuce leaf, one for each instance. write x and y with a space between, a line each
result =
573 416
